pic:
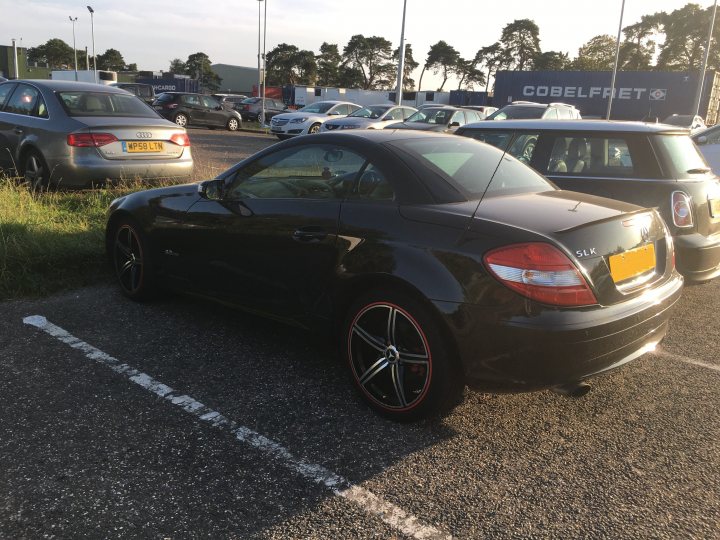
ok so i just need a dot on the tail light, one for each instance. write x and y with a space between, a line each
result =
83 140
541 272
681 209
181 139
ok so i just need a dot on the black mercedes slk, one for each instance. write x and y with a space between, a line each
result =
438 261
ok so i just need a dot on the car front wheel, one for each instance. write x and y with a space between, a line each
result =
131 261
315 128
233 124
399 360
181 119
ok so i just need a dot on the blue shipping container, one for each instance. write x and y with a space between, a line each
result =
171 85
468 97
638 94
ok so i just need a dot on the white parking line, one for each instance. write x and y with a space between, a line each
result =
687 360
370 503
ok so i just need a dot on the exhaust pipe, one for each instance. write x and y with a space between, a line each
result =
575 390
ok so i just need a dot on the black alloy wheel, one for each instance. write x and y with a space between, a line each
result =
398 358
35 171
130 258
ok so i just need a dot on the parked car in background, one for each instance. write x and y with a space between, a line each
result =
529 110
188 109
420 254
371 117
251 108
144 91
483 110
444 119
63 133
309 118
708 141
692 122
651 165
230 101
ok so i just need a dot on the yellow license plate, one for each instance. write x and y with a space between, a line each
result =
143 146
632 263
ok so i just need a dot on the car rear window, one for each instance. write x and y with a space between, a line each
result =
476 169
683 155
517 112
165 98
78 103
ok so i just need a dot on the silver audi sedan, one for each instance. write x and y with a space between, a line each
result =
63 133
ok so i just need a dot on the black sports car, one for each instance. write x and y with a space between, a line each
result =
438 260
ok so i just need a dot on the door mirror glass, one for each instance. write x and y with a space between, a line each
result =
212 189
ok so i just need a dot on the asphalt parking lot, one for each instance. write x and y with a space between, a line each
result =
181 419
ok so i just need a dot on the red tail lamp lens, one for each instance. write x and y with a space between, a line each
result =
181 139
681 209
541 272
90 139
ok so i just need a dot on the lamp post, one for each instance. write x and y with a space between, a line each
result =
73 21
698 94
401 64
259 64
264 66
617 57
92 29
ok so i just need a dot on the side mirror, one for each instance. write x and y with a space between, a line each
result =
454 124
702 139
212 190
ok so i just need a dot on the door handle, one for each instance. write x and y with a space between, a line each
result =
309 235
18 131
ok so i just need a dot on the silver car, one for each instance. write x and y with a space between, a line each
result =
371 117
63 133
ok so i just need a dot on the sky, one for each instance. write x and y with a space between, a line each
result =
150 33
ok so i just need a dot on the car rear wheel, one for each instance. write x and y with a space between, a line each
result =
131 261
314 128
399 360
35 171
233 124
181 119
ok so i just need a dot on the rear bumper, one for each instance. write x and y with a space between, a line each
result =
550 347
85 170
697 257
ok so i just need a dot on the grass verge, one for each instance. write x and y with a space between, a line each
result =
54 240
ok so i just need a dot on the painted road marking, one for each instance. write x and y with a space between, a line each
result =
370 503
687 360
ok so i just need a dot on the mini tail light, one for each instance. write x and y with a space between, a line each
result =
681 209
90 139
181 139
541 272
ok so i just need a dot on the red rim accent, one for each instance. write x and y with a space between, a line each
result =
419 399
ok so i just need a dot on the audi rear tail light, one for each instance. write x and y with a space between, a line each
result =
540 272
83 140
681 209
181 139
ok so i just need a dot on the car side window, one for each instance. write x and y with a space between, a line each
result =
458 117
551 114
5 90
210 103
498 139
564 113
407 113
472 116
395 114
373 185
23 101
523 147
308 172
592 156
191 100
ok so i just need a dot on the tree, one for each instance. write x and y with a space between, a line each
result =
198 67
468 73
372 57
551 61
520 41
350 77
132 67
328 64
440 57
111 60
54 52
685 32
409 66
493 57
638 49
598 54
177 67
286 64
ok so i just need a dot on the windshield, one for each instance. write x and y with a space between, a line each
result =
320 107
517 112
474 167
250 100
369 112
78 103
432 116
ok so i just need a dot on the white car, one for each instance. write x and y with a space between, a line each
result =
694 123
708 141
309 118
371 117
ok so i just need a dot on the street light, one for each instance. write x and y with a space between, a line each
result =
73 21
264 70
401 64
259 58
615 66
698 93
92 27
